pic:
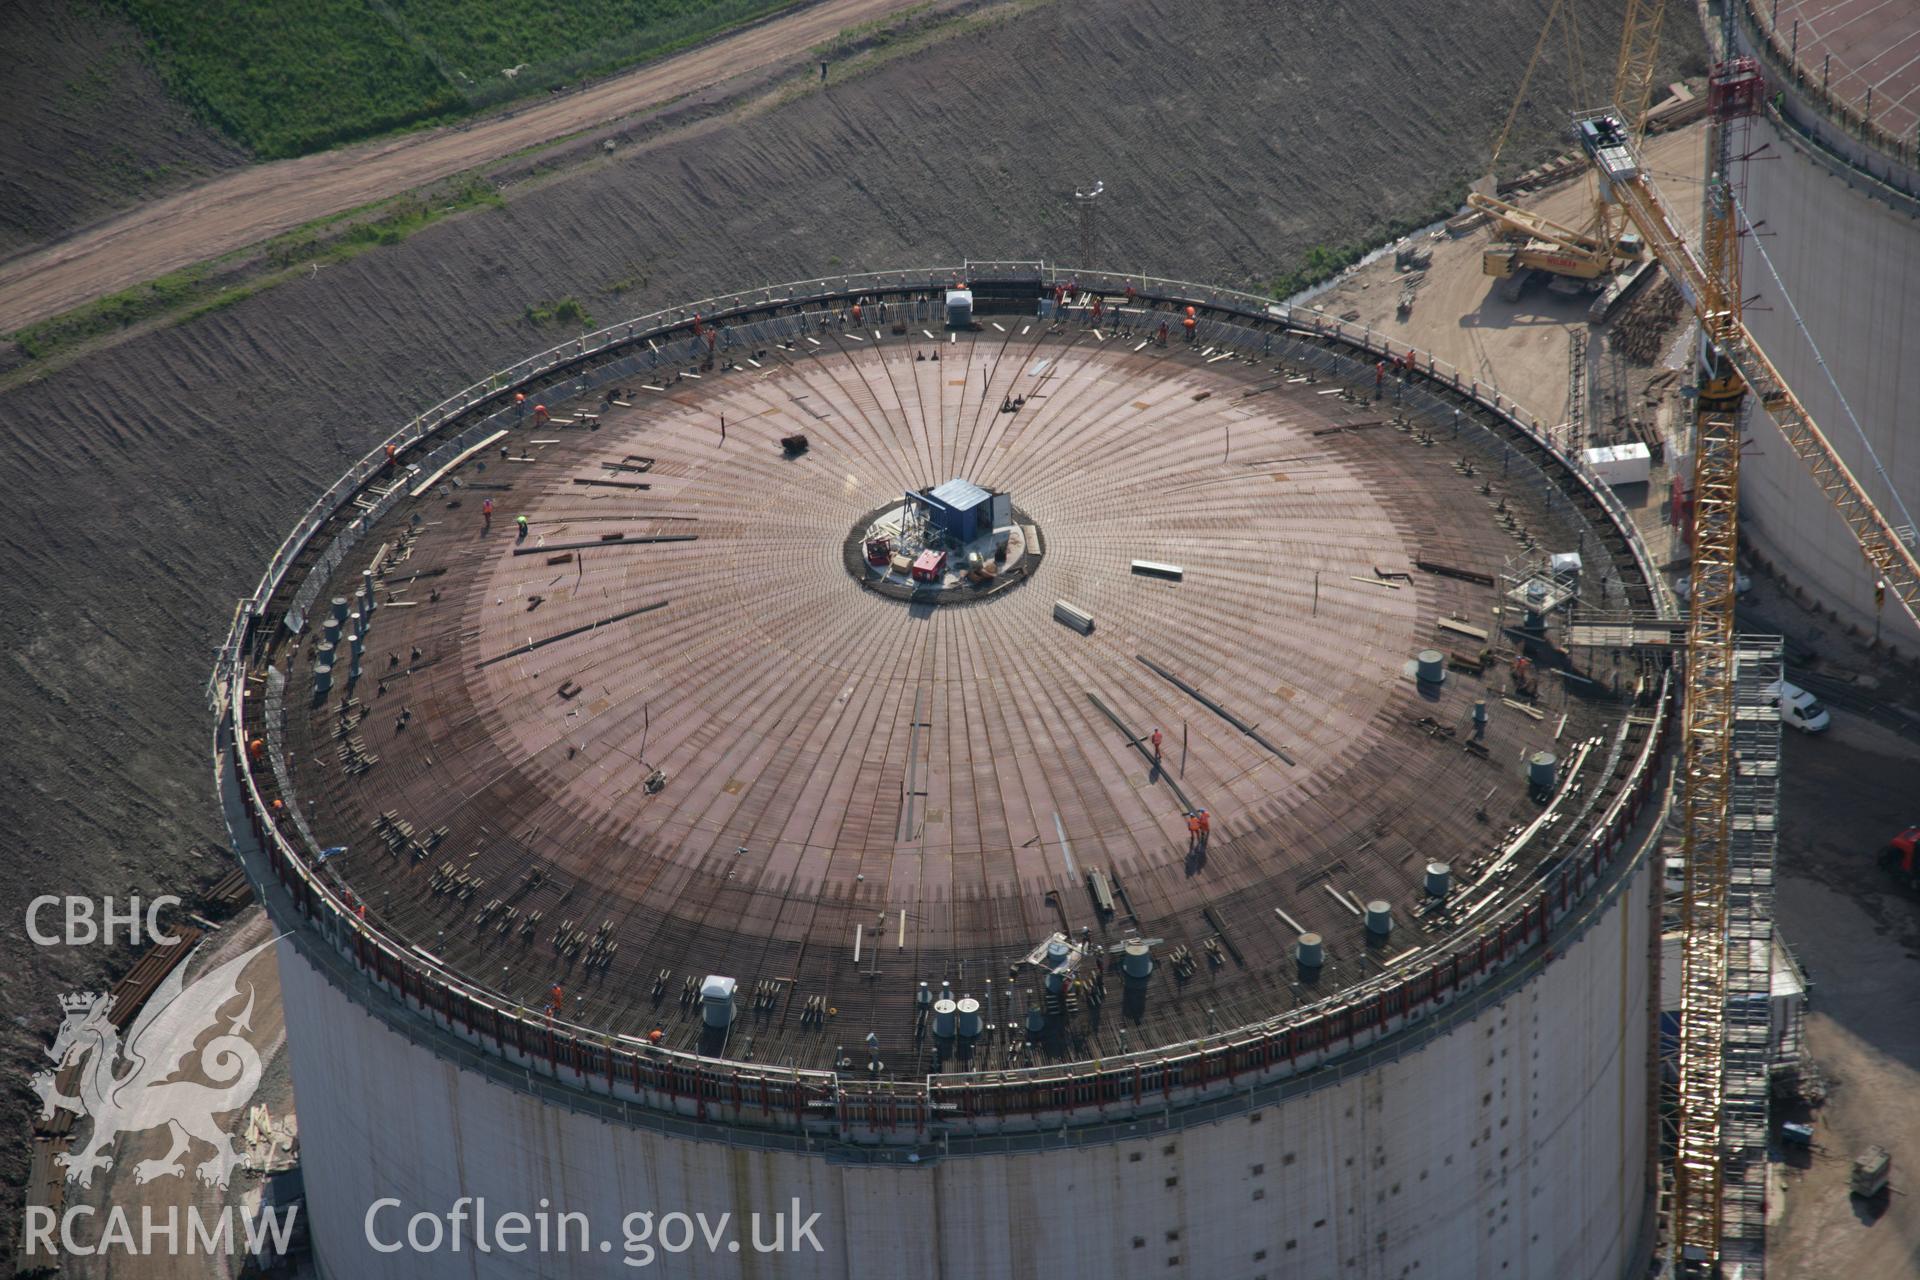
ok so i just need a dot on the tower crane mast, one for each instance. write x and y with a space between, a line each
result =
1734 367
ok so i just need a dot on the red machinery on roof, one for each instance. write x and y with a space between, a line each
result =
930 567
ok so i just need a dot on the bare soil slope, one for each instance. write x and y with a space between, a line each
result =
243 208
147 484
86 128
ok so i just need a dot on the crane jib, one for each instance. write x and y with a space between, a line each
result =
1889 555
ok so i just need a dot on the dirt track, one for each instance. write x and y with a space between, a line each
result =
1844 793
252 204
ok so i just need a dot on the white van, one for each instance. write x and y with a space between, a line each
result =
1800 709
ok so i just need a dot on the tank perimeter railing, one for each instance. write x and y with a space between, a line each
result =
1038 1100
1849 120
1009 1101
500 386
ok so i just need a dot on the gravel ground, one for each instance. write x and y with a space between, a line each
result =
1843 794
149 482
96 132
1458 315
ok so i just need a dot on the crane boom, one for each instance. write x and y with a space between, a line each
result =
1718 305
1518 221
1639 54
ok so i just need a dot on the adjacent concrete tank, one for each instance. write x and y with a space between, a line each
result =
1838 194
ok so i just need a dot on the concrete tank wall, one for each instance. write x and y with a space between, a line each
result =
1851 264
1514 1144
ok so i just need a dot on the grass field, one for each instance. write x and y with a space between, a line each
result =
287 79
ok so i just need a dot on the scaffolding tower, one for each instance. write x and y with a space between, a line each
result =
1752 836
1577 428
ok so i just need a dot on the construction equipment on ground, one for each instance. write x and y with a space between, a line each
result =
1734 366
1870 1172
1711 290
1901 858
1528 241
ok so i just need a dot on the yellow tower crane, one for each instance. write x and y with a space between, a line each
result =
1710 283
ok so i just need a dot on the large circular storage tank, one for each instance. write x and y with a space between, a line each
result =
1837 193
662 858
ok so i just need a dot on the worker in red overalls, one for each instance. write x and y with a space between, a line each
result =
1206 828
1156 746
486 515
1193 832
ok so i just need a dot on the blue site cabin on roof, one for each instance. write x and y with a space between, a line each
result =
956 509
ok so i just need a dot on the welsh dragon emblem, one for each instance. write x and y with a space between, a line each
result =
133 1087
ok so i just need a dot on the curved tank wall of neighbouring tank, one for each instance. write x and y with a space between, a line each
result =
1839 223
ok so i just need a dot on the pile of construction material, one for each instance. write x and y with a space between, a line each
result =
1566 165
1411 259
1409 286
1682 105
1644 326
